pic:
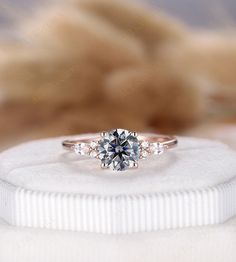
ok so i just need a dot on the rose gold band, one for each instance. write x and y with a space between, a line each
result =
167 141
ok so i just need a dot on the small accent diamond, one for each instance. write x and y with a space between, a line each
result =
157 148
82 149
93 145
144 149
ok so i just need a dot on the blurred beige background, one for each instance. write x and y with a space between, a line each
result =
80 66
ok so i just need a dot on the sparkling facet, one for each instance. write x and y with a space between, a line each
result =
145 145
93 145
119 149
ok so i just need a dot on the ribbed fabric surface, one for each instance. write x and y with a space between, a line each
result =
122 214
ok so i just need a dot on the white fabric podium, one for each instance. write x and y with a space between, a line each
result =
67 209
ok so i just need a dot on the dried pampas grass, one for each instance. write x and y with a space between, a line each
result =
88 65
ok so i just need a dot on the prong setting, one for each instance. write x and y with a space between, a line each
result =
104 166
103 134
135 134
134 165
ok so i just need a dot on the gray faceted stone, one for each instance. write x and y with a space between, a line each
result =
119 149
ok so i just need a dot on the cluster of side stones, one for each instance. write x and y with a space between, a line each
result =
86 149
148 148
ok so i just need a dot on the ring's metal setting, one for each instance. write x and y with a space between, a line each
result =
121 149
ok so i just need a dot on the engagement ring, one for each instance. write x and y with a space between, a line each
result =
121 149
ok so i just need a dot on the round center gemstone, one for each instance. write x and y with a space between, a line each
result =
119 149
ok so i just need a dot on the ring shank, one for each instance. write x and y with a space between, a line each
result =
165 140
